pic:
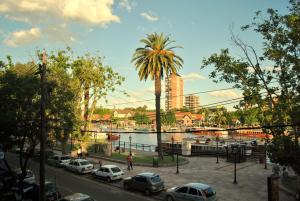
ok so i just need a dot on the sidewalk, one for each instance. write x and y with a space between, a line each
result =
251 177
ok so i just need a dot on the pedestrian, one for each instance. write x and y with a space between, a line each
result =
79 153
100 163
285 173
276 169
130 161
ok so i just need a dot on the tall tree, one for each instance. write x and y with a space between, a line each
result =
63 101
273 90
95 81
155 60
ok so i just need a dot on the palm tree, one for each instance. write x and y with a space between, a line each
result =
155 60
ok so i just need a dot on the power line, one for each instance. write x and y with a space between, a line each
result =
201 92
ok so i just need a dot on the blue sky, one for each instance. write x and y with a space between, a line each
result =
114 28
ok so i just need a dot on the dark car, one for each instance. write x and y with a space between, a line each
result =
146 182
31 191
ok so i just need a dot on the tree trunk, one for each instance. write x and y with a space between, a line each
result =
157 108
86 107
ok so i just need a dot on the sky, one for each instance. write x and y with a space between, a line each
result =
113 29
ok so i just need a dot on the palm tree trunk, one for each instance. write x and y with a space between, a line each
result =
157 108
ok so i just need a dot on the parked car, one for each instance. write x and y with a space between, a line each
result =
80 166
77 197
108 172
31 191
191 191
29 177
59 160
146 182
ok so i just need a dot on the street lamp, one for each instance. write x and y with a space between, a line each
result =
119 144
172 148
266 155
217 139
235 152
130 144
177 170
95 148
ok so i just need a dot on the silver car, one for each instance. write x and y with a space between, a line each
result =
59 160
191 191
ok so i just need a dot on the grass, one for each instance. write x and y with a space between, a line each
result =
147 159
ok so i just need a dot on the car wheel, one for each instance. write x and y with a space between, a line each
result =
147 192
56 164
126 186
169 198
108 179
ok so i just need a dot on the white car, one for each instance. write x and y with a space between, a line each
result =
77 197
59 160
108 172
80 166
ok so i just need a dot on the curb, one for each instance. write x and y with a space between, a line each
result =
286 190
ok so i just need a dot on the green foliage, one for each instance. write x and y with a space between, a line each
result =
102 111
141 118
271 95
168 118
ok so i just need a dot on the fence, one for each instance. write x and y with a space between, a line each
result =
134 146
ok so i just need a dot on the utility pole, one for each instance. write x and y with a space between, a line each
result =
42 68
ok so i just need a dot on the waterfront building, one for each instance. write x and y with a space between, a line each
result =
174 92
192 102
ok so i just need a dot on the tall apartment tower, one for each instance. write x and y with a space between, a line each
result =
174 92
192 102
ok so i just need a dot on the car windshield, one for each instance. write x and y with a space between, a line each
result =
115 169
155 179
65 158
84 163
209 192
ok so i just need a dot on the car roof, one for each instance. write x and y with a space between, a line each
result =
77 196
198 186
109 166
147 174
80 160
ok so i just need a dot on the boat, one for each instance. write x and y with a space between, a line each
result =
210 131
112 137
143 130
250 133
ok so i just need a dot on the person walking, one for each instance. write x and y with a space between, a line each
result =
130 161
100 163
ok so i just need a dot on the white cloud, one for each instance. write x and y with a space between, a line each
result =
88 11
192 77
23 37
59 33
17 18
125 4
225 94
149 16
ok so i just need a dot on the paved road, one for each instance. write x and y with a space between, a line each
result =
68 183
